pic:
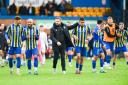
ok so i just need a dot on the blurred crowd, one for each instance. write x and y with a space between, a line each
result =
45 9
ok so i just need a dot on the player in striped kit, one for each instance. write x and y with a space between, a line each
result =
14 39
31 35
98 46
81 33
121 42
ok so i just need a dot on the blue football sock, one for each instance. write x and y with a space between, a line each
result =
18 62
35 62
77 65
108 59
80 67
101 62
10 62
70 58
29 64
93 64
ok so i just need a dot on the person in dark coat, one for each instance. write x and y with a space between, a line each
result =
12 9
3 44
23 10
60 40
31 10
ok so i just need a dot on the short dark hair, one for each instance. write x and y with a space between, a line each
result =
81 19
58 18
17 18
99 21
109 17
121 23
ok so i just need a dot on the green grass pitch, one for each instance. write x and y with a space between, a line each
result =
117 76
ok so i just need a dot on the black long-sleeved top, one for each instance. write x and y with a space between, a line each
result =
3 42
60 34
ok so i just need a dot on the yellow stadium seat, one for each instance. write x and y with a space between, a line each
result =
99 14
77 9
68 13
75 13
96 9
93 14
102 10
90 9
81 14
37 11
56 13
63 14
17 10
87 14
108 9
85 10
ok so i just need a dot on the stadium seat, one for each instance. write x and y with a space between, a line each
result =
78 9
17 10
103 10
63 14
75 13
96 9
56 13
90 9
85 10
99 14
81 14
87 14
93 14
108 9
68 13
37 12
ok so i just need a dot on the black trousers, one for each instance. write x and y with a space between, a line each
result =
59 50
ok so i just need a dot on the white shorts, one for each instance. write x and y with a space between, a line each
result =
43 48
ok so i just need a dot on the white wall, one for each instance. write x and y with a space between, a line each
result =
35 3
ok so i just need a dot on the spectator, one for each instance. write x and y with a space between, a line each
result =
3 10
3 44
12 9
23 10
3 3
42 9
68 6
31 10
65 6
50 8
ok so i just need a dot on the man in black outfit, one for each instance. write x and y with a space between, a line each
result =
60 40
3 44
12 9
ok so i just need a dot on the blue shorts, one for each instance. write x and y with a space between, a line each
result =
69 48
97 51
81 50
14 50
29 53
121 49
109 45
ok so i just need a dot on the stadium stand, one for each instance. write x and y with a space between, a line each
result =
88 10
92 9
